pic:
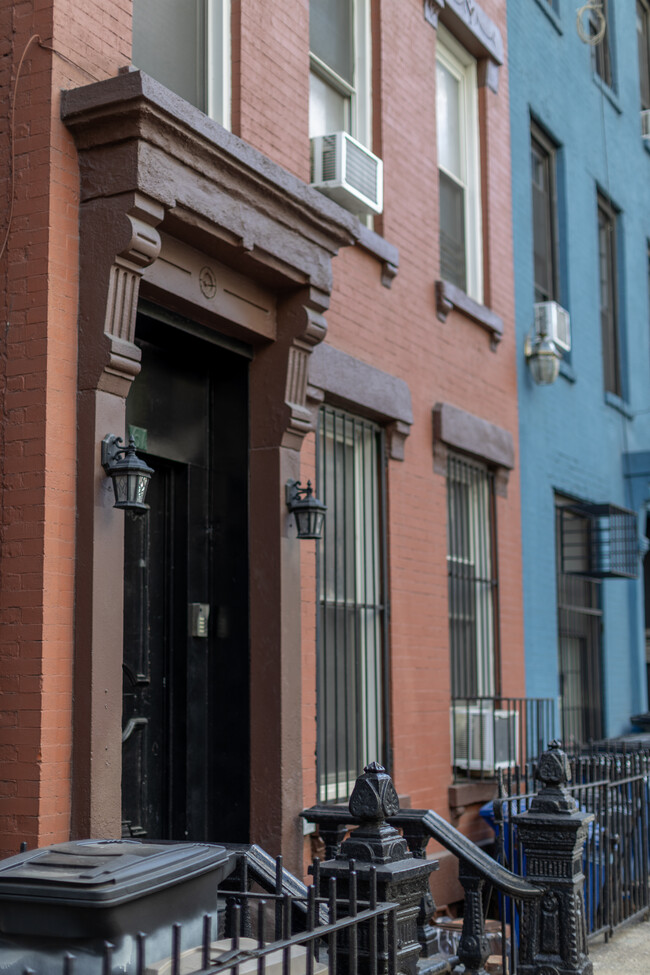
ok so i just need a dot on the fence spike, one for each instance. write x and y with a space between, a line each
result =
140 949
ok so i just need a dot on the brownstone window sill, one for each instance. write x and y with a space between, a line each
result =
451 298
463 794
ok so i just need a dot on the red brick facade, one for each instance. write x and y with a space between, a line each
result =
397 330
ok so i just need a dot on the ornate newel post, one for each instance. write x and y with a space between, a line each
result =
401 877
553 832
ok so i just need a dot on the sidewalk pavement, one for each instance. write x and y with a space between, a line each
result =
626 953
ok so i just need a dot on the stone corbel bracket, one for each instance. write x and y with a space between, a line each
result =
475 30
124 283
121 240
301 419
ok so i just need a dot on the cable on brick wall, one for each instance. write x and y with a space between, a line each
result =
35 38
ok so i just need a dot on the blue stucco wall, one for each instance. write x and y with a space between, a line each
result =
571 439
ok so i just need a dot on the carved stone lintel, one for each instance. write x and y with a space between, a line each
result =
475 30
431 10
457 429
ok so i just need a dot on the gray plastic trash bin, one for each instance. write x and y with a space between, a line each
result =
72 897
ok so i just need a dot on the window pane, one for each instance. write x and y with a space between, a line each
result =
452 232
448 121
543 222
608 299
169 44
329 110
331 35
601 50
643 32
351 614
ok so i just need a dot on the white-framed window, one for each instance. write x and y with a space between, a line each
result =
352 633
461 245
186 47
340 81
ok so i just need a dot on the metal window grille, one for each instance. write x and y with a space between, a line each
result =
472 578
599 540
580 618
352 626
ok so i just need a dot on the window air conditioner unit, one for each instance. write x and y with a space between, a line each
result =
484 740
645 125
553 321
347 172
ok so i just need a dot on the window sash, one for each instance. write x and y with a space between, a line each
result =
607 262
643 37
472 578
341 86
601 51
352 644
544 209
186 47
461 242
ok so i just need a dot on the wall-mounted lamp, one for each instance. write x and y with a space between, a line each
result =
546 342
308 510
129 474
543 357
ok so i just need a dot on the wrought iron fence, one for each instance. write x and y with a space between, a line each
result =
496 733
260 933
615 788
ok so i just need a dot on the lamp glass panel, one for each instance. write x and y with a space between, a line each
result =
141 489
120 487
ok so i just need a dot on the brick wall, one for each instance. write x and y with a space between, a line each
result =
65 46
398 331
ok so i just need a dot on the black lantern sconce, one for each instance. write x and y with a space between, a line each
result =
308 510
129 474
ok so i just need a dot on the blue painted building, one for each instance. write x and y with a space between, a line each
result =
579 88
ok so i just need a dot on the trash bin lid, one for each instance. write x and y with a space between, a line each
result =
105 873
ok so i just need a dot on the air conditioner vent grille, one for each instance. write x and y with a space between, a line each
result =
347 172
361 171
329 158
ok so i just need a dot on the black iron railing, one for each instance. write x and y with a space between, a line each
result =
615 788
495 733
293 929
479 874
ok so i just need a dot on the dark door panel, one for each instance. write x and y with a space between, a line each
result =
186 712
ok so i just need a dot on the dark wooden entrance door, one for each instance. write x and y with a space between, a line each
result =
185 704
